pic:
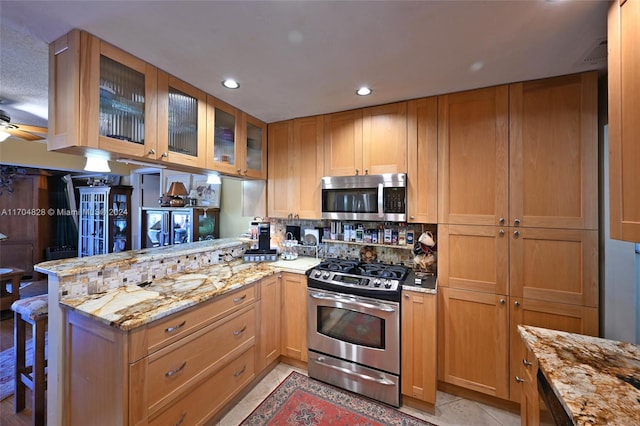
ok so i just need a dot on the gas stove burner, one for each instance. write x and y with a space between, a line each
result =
341 265
382 270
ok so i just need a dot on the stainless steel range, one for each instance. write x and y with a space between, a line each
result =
354 326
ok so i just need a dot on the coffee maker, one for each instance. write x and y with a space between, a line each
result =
264 236
264 252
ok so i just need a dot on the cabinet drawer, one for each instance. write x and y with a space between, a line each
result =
173 369
208 398
176 326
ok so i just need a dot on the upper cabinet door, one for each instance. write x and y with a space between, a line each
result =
307 140
554 152
280 187
121 100
223 132
254 148
384 139
473 157
182 122
343 143
624 126
422 160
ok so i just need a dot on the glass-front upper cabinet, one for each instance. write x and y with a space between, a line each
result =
222 136
182 116
123 89
255 148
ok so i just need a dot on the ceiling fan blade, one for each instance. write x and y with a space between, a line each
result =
18 133
32 129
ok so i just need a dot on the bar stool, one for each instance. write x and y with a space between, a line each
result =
34 311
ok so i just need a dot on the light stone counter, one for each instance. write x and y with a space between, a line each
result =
596 380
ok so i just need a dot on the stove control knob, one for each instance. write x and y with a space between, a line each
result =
376 282
317 274
387 283
326 275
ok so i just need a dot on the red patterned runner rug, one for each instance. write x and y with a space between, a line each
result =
299 400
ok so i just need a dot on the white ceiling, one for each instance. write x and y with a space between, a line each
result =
300 58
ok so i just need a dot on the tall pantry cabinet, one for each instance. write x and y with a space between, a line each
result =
517 226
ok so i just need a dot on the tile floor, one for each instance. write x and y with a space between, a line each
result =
450 409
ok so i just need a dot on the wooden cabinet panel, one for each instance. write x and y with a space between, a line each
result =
553 139
422 160
343 143
473 258
473 150
419 343
254 147
556 265
278 185
473 349
182 122
308 145
624 126
295 168
269 320
294 316
384 139
556 316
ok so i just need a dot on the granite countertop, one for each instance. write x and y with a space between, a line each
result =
132 306
596 380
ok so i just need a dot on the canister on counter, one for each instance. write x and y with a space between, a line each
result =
410 236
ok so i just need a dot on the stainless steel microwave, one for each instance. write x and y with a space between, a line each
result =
367 197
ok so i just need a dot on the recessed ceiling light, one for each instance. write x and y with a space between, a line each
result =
364 91
230 83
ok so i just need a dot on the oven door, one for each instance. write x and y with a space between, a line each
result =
358 329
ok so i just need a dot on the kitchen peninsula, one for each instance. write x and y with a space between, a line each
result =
132 333
584 380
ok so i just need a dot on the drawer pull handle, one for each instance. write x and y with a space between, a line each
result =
176 371
239 299
239 373
239 332
184 416
519 379
175 327
526 363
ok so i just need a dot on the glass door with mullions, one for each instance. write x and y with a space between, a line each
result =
122 102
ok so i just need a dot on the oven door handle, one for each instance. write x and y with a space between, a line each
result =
378 306
380 201
380 380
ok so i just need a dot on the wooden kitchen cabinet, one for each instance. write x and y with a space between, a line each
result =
236 142
101 98
366 141
624 126
269 320
553 149
182 122
295 168
473 330
419 346
185 366
472 257
557 316
294 316
422 160
473 157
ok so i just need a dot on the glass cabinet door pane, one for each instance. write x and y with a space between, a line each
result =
224 137
181 226
122 92
254 147
183 123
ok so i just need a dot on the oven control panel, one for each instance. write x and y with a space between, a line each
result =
357 281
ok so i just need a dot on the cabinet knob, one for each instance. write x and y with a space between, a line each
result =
357 172
526 362
501 221
406 296
165 154
516 234
516 222
517 304
520 379
502 301
502 232
244 172
152 151
412 217
366 171
238 170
